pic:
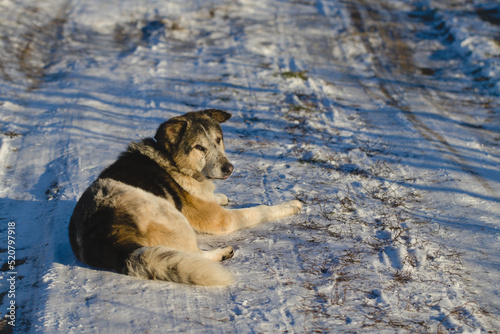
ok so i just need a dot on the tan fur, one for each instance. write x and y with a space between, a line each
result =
209 217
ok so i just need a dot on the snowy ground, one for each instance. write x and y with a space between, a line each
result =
382 116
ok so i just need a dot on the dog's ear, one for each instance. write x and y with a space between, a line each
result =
171 131
218 115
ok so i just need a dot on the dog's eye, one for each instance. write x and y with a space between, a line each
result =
218 140
200 148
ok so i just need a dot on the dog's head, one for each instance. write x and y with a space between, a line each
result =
195 143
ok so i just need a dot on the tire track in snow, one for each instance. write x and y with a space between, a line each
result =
39 158
379 27
401 58
32 52
33 202
398 252
31 185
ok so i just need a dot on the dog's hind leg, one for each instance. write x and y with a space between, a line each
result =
219 254
165 263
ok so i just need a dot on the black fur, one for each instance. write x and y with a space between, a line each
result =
106 254
138 170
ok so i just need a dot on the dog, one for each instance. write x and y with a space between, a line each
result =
141 215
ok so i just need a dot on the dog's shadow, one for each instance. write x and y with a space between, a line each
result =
231 206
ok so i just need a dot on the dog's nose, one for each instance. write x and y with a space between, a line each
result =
227 169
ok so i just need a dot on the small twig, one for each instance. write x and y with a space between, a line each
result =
452 312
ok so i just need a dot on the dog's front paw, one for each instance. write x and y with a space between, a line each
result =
292 207
222 199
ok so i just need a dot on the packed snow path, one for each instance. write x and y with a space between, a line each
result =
382 116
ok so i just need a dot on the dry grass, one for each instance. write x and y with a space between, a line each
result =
362 224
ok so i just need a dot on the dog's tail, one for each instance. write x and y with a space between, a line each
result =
167 264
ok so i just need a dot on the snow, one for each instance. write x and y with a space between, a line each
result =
381 116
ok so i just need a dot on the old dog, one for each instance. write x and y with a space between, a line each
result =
141 215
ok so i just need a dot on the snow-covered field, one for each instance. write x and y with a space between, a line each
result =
382 116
